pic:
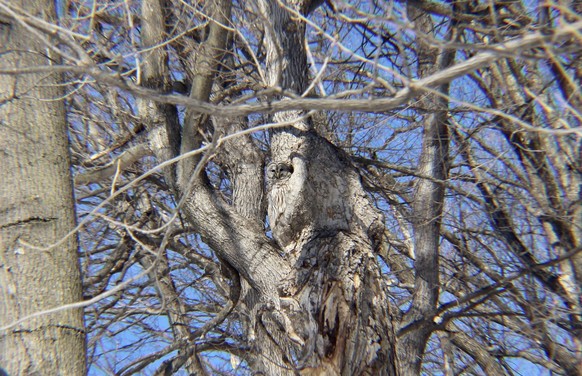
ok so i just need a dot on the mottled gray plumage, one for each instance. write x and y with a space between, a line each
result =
278 171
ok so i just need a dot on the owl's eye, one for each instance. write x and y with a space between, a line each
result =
283 167
277 171
284 170
272 170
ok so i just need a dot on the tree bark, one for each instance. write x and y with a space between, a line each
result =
38 258
316 304
428 201
325 224
235 232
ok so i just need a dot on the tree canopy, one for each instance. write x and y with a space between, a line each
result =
439 144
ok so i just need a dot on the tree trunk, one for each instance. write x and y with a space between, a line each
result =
323 221
428 201
315 304
38 260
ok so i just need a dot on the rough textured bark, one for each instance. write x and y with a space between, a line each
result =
327 315
36 211
231 235
235 232
322 219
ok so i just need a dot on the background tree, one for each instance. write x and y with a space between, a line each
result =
422 184
39 268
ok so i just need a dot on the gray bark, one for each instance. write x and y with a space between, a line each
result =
326 226
427 203
38 259
328 314
235 232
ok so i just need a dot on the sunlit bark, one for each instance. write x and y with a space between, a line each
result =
39 267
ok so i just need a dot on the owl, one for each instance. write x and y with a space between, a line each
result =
278 175
279 171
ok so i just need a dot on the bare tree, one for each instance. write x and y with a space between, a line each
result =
310 187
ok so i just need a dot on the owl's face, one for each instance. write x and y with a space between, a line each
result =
279 171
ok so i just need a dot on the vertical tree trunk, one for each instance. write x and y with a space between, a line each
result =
316 305
219 223
36 211
322 219
428 201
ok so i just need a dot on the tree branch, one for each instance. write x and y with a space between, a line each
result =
413 88
126 159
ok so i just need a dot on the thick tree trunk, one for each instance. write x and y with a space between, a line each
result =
36 211
235 232
316 304
322 219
